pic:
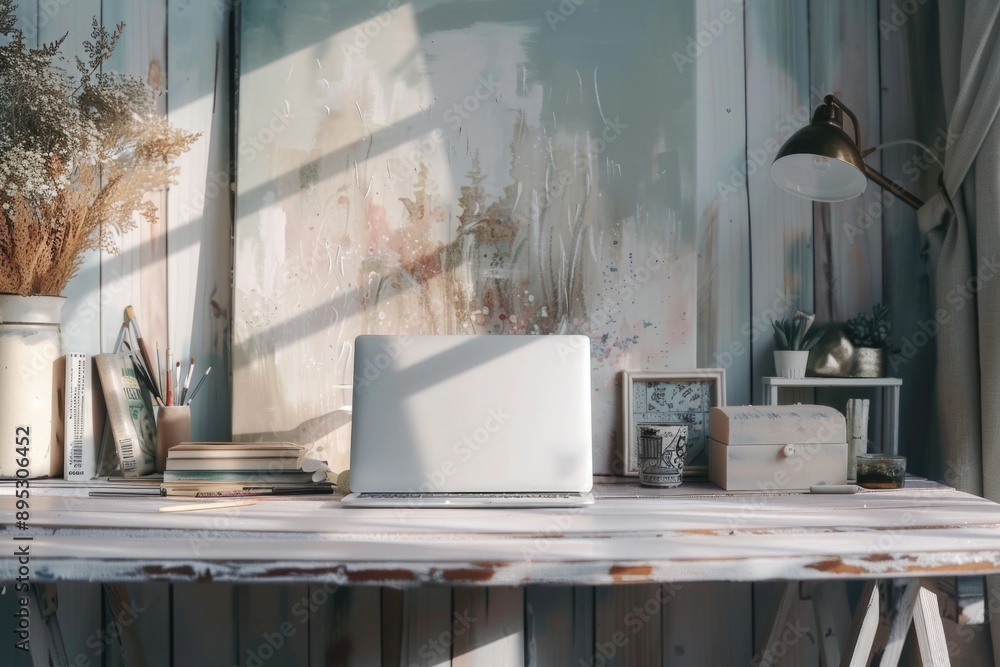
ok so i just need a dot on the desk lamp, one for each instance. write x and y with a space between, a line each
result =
823 163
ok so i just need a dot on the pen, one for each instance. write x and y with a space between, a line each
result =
157 372
187 381
194 391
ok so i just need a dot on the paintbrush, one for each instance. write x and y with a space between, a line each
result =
187 382
169 378
143 350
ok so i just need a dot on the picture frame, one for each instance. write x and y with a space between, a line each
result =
659 398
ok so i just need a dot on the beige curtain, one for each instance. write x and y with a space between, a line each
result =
964 241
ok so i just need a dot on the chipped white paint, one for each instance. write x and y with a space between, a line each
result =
623 538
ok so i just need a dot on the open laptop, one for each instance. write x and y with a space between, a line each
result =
471 421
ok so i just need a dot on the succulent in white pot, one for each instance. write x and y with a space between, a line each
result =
792 342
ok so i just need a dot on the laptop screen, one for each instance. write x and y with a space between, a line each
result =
471 414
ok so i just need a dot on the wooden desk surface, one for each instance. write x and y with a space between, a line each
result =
630 535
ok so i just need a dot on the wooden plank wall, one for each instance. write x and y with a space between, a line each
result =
759 251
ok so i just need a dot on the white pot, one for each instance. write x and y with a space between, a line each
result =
791 363
30 415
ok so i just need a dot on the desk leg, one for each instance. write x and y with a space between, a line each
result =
862 637
46 642
930 631
919 605
123 617
789 600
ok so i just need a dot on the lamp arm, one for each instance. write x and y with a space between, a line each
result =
892 187
869 172
831 99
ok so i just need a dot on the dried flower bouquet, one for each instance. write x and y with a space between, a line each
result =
77 155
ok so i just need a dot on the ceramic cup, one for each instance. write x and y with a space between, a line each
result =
173 426
662 448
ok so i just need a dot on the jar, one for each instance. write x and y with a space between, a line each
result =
30 414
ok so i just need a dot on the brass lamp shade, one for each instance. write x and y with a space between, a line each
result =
820 161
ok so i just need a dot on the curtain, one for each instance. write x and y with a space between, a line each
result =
962 225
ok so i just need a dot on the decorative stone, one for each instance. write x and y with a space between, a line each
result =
833 355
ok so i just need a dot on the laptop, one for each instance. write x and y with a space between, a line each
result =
471 421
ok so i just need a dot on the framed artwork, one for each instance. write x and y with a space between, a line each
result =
666 398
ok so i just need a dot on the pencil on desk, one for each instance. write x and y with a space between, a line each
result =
218 505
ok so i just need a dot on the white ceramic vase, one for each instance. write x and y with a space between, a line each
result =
791 363
30 415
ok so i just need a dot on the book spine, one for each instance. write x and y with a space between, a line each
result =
78 453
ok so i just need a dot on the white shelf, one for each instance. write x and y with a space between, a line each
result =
831 382
888 387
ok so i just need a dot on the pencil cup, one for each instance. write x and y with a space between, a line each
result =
662 448
173 426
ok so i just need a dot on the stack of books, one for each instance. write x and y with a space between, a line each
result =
237 468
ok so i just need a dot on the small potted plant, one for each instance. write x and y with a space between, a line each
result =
792 342
868 334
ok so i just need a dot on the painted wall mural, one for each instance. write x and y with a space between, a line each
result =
464 167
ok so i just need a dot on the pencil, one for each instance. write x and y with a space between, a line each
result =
187 381
194 507
130 314
121 338
169 373
194 391
158 371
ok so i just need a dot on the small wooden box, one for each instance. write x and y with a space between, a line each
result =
776 447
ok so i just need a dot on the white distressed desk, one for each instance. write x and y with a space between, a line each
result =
630 535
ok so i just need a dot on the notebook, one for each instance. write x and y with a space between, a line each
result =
471 421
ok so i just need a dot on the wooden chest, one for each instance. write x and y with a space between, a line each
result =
775 447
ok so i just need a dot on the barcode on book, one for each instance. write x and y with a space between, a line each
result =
127 449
